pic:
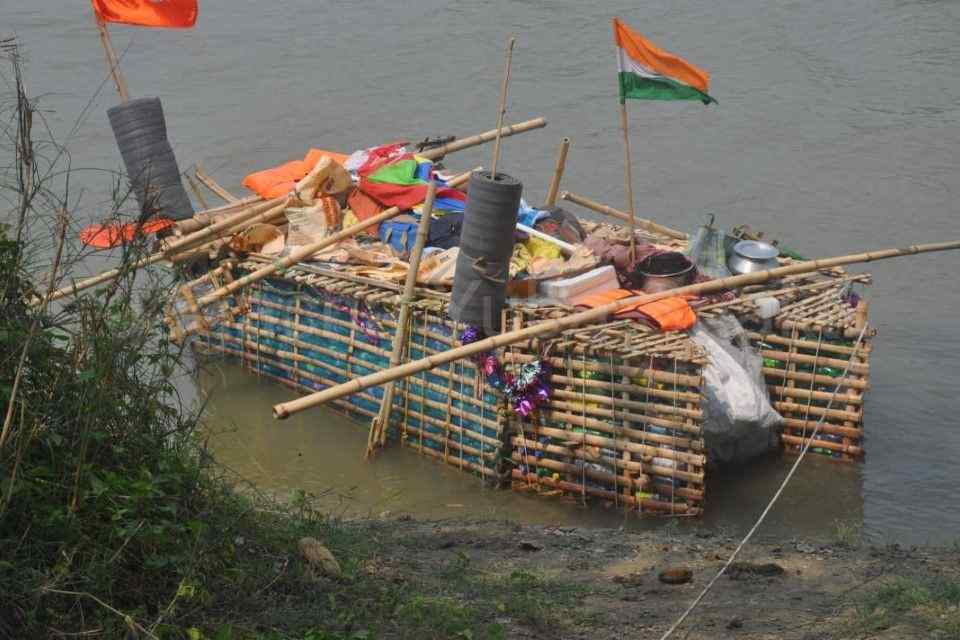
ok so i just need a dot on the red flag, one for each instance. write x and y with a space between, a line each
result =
148 13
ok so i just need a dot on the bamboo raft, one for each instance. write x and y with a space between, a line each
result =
624 424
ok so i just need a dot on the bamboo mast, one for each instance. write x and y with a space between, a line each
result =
628 178
503 105
112 63
551 200
285 409
380 424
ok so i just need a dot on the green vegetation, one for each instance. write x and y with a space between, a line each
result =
929 603
114 520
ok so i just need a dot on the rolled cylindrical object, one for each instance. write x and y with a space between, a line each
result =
141 134
486 245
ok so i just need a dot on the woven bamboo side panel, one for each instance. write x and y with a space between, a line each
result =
624 424
309 338
804 371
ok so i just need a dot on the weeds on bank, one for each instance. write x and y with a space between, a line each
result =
930 604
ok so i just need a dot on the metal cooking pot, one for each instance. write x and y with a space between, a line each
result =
663 271
750 256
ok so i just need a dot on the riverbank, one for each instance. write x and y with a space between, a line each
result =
403 578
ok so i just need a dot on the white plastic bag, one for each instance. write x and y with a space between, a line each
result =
739 422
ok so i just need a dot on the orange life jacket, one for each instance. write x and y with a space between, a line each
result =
669 314
279 181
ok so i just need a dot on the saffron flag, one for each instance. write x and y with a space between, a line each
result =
647 72
148 13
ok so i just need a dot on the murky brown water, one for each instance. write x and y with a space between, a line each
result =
838 127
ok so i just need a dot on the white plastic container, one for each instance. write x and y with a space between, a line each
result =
595 281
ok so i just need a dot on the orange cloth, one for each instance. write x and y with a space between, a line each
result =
669 314
363 206
148 13
279 181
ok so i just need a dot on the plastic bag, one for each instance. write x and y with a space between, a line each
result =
707 251
739 421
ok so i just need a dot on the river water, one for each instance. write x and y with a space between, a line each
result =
838 128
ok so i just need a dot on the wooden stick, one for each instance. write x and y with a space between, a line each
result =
567 248
112 62
378 427
213 185
551 200
558 325
647 225
304 252
503 105
628 179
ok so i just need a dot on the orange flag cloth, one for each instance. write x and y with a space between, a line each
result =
148 13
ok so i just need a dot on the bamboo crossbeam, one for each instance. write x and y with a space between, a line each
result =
822 361
776 338
825 427
642 223
825 396
261 212
803 376
558 325
636 484
648 468
678 379
575 384
647 504
604 426
622 444
483 138
208 216
823 444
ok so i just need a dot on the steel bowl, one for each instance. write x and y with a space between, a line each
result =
750 256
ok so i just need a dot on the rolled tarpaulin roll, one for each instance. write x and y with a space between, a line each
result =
141 133
486 245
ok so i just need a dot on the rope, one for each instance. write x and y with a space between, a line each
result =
773 501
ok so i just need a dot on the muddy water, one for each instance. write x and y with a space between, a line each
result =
837 128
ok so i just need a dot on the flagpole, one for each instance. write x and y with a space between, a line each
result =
628 179
112 62
503 105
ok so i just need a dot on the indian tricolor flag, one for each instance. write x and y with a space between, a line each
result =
649 73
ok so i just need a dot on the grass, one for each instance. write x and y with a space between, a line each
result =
848 533
929 604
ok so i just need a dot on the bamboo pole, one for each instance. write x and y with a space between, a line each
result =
647 225
628 179
503 105
112 63
482 138
551 200
106 276
379 425
208 216
304 252
213 185
262 212
558 325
